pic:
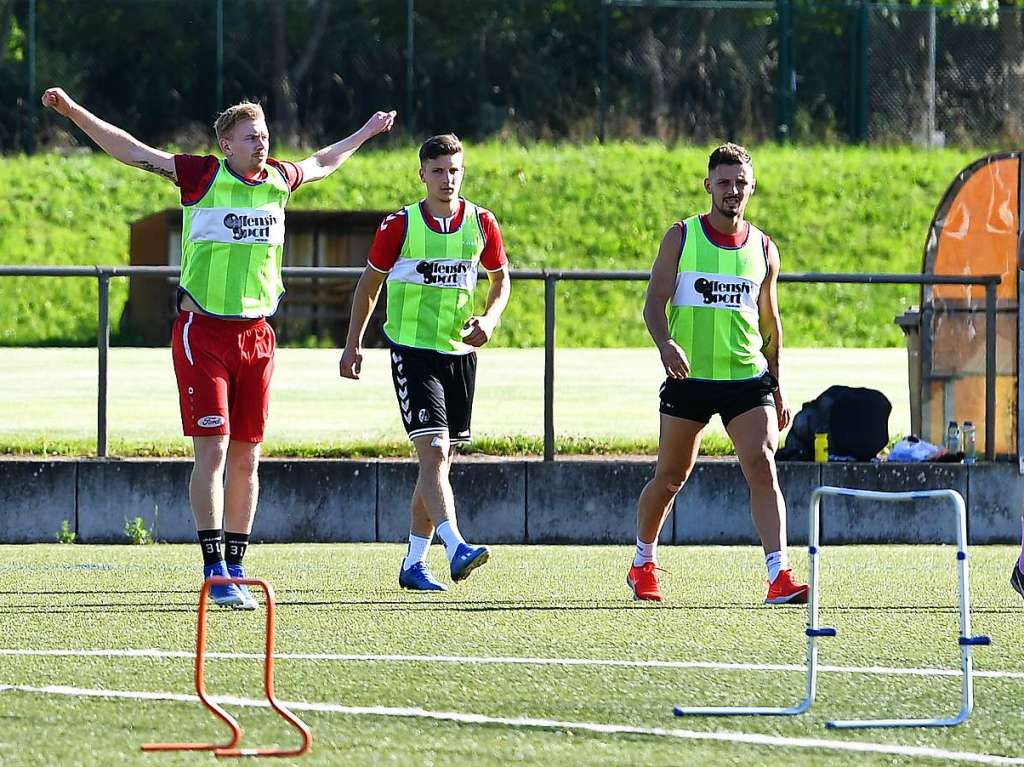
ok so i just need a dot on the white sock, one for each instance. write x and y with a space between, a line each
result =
418 547
645 552
776 561
448 531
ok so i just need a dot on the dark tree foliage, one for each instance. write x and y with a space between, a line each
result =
517 68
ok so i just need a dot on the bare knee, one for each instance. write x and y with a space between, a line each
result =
434 460
760 471
210 455
243 459
670 482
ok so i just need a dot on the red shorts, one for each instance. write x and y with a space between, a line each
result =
223 369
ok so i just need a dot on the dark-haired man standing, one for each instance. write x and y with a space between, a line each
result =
720 343
429 253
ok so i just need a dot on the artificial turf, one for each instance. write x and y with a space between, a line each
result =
894 606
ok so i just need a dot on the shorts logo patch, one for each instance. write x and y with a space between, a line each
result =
424 416
211 421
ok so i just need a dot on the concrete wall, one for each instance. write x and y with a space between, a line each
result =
35 497
502 501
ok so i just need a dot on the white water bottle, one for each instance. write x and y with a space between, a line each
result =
970 440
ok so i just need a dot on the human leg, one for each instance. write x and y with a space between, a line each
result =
433 486
678 445
1017 574
755 436
414 573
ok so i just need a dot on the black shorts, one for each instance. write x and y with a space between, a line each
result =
435 391
698 400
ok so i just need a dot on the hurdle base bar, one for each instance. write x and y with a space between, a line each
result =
230 749
864 724
813 633
232 752
796 710
214 747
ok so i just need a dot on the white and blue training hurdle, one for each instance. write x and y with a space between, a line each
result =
814 630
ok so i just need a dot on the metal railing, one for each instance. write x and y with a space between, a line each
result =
550 278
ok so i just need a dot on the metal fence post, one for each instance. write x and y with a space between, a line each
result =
31 97
990 370
787 72
602 100
103 346
932 45
863 71
410 73
859 99
220 57
549 366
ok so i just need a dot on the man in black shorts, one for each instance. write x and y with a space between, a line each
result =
429 253
720 344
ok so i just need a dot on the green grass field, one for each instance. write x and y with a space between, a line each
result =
605 400
849 209
540 633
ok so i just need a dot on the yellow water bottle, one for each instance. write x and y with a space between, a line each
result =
821 448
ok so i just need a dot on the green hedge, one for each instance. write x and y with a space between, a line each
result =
590 206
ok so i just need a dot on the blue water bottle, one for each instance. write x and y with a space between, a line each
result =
952 438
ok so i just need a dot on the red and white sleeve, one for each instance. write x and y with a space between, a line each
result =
493 258
387 242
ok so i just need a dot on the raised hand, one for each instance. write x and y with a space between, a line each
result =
380 122
59 101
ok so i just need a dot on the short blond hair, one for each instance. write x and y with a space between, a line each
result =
230 117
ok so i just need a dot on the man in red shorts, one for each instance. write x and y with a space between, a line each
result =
223 349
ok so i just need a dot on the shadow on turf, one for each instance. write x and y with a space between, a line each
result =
95 607
65 592
432 603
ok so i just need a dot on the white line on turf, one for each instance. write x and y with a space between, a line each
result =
521 661
749 738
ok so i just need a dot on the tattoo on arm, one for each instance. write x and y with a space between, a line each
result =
169 175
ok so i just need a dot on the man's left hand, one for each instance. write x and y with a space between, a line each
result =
782 409
478 330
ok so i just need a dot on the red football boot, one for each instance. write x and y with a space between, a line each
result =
644 582
784 590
